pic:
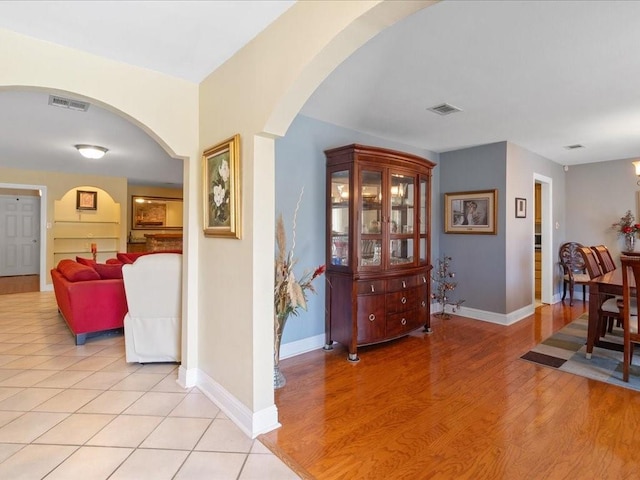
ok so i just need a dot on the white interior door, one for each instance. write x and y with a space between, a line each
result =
19 235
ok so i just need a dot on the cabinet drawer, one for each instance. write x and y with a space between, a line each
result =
371 318
401 283
404 322
402 301
370 287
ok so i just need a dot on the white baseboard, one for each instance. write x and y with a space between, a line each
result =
499 318
251 423
187 378
299 347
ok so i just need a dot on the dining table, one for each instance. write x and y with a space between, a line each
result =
599 288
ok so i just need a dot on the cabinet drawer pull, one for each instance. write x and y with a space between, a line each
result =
372 288
404 284
404 300
424 304
403 321
372 317
424 279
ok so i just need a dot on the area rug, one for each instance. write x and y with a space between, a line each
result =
566 351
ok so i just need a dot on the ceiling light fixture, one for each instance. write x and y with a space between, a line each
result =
91 151
637 165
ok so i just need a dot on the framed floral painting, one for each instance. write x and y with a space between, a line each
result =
221 185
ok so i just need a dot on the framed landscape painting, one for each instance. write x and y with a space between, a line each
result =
471 212
221 189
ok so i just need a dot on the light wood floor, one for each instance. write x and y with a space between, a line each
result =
456 404
19 284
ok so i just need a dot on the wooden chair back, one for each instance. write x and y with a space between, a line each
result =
590 261
629 323
573 269
607 264
570 259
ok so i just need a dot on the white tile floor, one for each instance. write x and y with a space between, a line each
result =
81 412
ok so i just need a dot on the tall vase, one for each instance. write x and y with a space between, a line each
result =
279 379
629 242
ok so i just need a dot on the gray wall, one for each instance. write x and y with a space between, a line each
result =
478 260
598 194
495 272
300 162
522 165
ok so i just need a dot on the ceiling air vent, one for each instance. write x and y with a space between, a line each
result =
68 103
574 147
444 109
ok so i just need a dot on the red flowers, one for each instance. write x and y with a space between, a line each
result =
626 225
318 271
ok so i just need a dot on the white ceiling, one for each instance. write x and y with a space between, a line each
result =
540 74
543 75
185 39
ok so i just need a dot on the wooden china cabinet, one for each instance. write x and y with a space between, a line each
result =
378 245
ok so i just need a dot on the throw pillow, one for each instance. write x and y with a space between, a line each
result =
89 262
76 272
109 270
130 257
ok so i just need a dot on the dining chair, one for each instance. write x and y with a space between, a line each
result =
629 322
573 269
609 308
612 304
605 259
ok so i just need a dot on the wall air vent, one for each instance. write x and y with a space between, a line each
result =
574 147
68 103
444 109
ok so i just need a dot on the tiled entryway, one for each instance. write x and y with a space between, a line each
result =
81 412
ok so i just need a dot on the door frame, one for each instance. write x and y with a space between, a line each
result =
43 227
546 286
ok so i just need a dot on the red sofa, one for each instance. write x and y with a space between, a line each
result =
91 299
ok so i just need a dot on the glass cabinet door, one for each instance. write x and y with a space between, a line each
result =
339 237
371 221
401 225
423 218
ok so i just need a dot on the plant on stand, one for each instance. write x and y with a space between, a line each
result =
627 228
290 293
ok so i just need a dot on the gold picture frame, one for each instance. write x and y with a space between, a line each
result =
471 212
156 213
86 200
221 189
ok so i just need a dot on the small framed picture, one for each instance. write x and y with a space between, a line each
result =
471 212
86 200
521 207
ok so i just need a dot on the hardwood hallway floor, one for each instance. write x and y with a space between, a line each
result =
456 404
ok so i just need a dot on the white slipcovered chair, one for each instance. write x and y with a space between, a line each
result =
152 326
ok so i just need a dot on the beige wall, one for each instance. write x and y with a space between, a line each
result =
57 185
228 336
163 106
257 93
